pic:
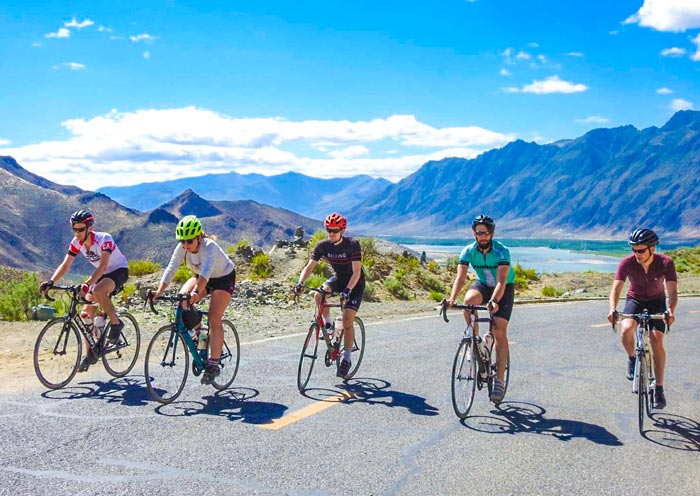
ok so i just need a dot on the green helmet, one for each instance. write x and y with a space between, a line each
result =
189 227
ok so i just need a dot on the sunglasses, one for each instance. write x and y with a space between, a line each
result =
333 231
188 241
640 251
482 233
79 229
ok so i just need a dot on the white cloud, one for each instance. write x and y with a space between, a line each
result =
664 91
79 24
4 142
667 15
36 44
673 52
522 55
552 84
680 104
146 55
142 37
152 145
73 66
104 29
593 119
504 72
696 55
575 54
61 33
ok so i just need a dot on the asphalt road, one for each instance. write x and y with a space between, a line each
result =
567 426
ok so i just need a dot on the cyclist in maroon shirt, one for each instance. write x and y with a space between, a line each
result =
646 271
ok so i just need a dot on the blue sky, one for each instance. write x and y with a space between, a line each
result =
98 93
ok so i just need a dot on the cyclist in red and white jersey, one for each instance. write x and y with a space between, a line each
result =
110 274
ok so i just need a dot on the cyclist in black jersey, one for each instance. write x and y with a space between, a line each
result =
344 254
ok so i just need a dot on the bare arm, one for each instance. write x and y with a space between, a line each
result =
672 288
501 278
356 273
307 270
614 298
62 269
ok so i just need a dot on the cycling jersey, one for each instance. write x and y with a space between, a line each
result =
101 242
647 285
209 262
486 265
340 256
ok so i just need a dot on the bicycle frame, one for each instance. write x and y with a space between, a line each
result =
470 334
333 347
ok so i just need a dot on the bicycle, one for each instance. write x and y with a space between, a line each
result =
173 345
643 380
333 341
471 370
59 346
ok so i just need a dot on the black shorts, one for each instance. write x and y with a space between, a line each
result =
355 299
652 306
119 276
225 283
505 306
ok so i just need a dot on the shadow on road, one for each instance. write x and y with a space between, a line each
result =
128 390
516 417
233 404
674 431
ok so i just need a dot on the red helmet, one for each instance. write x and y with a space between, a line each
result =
336 221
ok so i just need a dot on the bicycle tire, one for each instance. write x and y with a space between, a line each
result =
119 358
464 377
57 353
492 374
230 357
651 383
640 382
167 364
358 350
309 353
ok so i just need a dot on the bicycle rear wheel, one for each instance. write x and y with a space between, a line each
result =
167 364
119 358
57 353
642 394
358 349
230 357
464 370
309 353
493 369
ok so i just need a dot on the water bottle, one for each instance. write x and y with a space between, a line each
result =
488 343
329 327
202 343
100 323
193 334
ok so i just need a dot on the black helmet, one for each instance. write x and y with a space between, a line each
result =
82 216
484 219
643 237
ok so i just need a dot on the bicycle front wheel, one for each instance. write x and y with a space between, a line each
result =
642 394
230 357
464 370
358 349
119 358
57 353
166 366
308 357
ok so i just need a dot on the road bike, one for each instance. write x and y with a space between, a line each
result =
474 364
173 346
643 380
333 341
59 346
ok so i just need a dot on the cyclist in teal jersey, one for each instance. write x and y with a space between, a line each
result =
494 285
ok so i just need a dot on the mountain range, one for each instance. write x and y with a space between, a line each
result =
598 186
308 196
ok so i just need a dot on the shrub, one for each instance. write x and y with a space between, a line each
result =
451 264
322 269
183 274
430 282
18 297
433 266
318 236
369 247
370 293
408 262
524 276
315 281
551 291
436 296
397 288
142 267
261 267
128 291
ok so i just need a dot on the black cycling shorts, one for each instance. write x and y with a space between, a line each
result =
119 276
225 283
652 306
355 299
505 306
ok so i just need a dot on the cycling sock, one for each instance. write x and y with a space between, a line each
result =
347 354
328 320
660 388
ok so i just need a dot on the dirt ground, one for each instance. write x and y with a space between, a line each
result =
17 338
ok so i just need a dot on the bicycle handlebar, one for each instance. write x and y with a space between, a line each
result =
321 291
75 289
171 298
645 315
460 306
